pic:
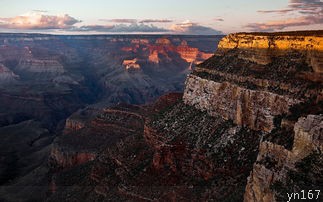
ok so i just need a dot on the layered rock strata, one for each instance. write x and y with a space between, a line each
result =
250 91
271 83
262 48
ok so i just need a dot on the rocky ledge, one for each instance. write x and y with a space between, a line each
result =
251 92
89 131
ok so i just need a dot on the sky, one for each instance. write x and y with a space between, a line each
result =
205 17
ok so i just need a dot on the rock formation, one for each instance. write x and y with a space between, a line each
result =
266 82
274 161
6 75
39 66
252 108
248 126
131 64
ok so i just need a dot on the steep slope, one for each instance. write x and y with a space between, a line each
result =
6 75
166 158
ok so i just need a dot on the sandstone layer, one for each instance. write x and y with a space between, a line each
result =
261 48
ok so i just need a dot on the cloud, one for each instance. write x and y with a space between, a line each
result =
306 4
121 20
188 27
155 21
282 24
219 19
36 20
40 11
299 6
121 28
132 21
282 11
309 12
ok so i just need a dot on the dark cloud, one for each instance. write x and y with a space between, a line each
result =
36 20
188 27
299 6
282 24
121 28
132 21
121 20
310 12
305 4
182 28
219 19
155 21
282 11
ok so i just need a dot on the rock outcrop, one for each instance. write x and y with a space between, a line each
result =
274 161
252 108
41 66
262 48
89 131
131 64
6 75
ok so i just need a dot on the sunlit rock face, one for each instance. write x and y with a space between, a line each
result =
187 53
165 48
261 48
131 64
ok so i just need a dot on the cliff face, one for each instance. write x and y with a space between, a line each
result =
251 79
274 161
252 108
269 83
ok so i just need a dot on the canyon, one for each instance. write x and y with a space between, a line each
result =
51 85
247 124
